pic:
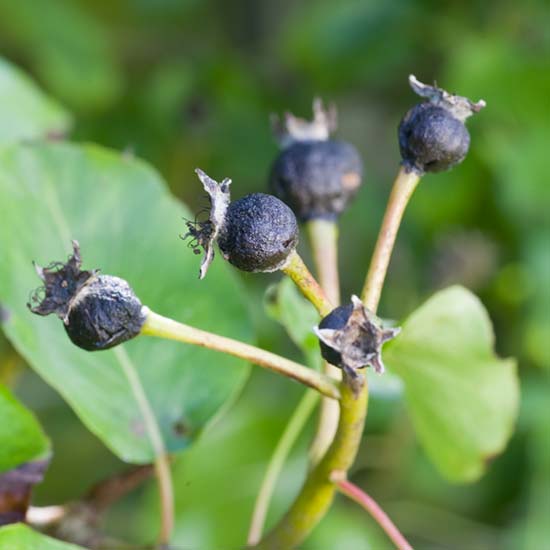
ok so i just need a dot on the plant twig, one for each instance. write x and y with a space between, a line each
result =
162 327
318 490
371 506
162 462
403 188
297 270
292 430
323 238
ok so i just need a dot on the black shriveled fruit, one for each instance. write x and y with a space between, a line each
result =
259 233
105 313
98 311
432 135
351 337
431 139
317 179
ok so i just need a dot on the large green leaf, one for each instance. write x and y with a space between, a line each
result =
127 225
21 437
22 537
25 112
463 400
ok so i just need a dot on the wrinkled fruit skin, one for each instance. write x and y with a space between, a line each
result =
317 179
104 313
335 320
259 233
431 139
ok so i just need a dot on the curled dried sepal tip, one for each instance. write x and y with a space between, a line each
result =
460 107
205 233
291 129
62 283
358 342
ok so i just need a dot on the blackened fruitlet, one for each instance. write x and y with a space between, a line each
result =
98 311
317 179
259 233
432 135
431 139
105 313
315 175
351 337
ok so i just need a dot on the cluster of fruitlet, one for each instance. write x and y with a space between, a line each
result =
313 177
313 180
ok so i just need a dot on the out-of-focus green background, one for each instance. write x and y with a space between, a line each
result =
187 83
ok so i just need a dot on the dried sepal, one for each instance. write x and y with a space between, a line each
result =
291 129
460 107
62 283
359 342
204 234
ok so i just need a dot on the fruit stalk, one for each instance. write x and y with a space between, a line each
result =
163 327
323 239
297 270
403 188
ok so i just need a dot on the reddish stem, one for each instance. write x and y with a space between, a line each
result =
358 495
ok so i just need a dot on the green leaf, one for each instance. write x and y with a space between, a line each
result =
287 306
21 537
25 112
21 437
127 225
463 400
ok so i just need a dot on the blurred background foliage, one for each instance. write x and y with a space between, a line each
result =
186 83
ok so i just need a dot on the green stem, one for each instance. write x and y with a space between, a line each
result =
318 491
293 429
297 270
162 327
403 188
323 238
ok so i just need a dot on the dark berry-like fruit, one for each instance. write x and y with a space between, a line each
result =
259 233
98 311
431 139
351 337
105 313
317 179
255 233
315 175
432 135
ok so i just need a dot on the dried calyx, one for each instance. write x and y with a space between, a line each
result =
291 129
98 311
256 233
460 107
351 337
204 234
